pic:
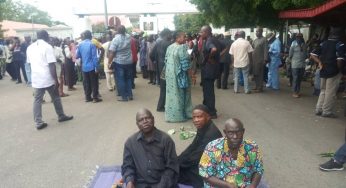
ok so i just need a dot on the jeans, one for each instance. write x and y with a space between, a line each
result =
54 94
340 155
124 76
326 100
245 72
28 72
297 75
209 95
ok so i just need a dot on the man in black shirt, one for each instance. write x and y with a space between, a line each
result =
330 58
189 159
158 54
150 160
210 68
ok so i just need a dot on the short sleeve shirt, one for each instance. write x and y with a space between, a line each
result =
216 161
240 50
40 54
121 45
329 52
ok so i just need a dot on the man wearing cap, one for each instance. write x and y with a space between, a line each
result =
330 58
275 61
189 158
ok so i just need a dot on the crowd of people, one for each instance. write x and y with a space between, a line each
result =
171 60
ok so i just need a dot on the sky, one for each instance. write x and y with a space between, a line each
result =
64 10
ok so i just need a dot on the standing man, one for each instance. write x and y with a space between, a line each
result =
241 54
189 158
231 161
158 54
260 58
23 48
120 54
41 57
87 52
225 62
331 60
275 61
210 68
149 160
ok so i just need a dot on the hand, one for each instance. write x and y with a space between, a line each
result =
110 66
130 185
232 185
56 85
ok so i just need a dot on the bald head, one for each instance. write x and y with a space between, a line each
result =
234 124
143 111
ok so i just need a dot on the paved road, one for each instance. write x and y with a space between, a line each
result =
65 154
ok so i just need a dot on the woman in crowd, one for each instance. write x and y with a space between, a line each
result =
150 63
178 106
18 60
297 56
70 72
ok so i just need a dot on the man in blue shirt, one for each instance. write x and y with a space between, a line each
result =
87 52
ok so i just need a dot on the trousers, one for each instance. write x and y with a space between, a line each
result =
209 95
38 98
327 97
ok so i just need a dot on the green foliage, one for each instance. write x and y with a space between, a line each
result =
98 28
190 23
22 12
249 13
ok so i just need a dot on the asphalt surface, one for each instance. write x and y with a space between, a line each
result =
64 155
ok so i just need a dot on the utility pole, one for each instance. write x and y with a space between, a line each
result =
106 14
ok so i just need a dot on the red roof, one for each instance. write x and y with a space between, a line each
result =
312 12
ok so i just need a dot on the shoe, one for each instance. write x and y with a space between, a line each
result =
318 113
224 88
110 89
18 82
331 165
97 100
41 126
88 100
130 98
248 92
121 99
295 95
330 115
72 89
99 96
65 118
64 95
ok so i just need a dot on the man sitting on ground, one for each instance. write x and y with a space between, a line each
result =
189 159
149 160
231 161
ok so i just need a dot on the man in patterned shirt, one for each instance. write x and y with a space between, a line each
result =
231 161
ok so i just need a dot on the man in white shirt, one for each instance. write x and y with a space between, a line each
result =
241 54
41 56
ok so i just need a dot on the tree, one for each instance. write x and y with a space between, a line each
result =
248 13
22 12
190 23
